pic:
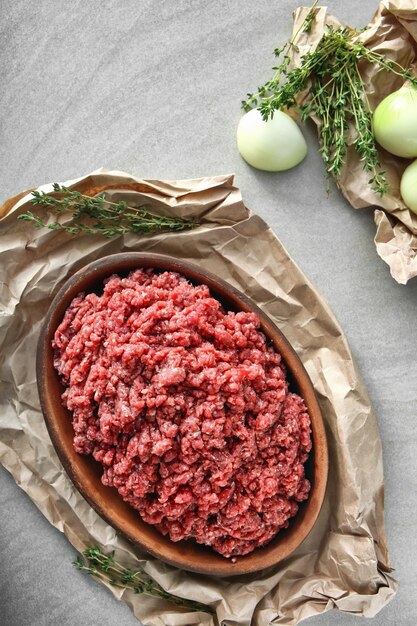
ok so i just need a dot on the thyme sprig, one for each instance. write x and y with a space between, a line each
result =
327 85
283 54
98 215
104 567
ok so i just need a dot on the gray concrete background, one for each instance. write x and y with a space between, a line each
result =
154 88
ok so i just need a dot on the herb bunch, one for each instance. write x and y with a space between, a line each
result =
97 215
329 84
104 567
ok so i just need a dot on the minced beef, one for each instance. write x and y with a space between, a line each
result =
187 408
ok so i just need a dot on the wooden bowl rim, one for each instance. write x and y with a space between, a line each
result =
185 555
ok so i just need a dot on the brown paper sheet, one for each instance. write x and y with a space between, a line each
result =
393 33
343 563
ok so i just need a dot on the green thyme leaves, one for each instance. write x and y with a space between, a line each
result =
328 86
105 567
97 215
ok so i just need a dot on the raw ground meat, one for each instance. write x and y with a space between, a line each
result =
187 409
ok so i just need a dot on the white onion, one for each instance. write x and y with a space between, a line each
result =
395 122
273 146
408 186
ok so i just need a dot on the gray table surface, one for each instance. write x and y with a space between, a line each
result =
154 88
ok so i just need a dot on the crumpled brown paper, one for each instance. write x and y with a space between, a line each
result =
343 563
393 33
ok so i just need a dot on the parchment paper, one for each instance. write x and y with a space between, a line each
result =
393 33
343 563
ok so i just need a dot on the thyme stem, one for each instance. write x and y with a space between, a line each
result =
104 567
330 83
97 215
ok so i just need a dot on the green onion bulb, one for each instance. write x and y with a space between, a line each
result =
395 122
408 186
273 146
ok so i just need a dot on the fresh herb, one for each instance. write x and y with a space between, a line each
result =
335 95
97 215
104 567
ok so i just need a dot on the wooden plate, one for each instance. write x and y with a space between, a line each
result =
85 472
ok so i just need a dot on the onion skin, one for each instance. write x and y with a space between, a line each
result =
408 187
395 122
272 146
